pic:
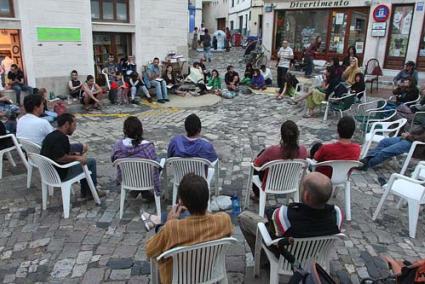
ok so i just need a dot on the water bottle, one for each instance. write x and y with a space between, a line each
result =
236 205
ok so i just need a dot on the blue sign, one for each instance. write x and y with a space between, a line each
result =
420 6
381 13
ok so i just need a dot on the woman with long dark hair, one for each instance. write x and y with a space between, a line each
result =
134 146
287 149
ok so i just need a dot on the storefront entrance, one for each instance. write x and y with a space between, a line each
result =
420 62
104 44
10 49
398 39
338 28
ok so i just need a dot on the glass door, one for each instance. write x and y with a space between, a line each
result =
338 27
420 61
358 31
398 39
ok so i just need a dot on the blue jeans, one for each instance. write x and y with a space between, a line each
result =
160 89
18 88
308 68
387 148
78 169
207 53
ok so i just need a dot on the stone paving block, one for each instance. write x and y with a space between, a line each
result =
120 274
94 276
63 268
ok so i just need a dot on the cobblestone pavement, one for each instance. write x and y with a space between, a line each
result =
94 245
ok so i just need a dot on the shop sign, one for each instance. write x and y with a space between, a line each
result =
319 4
379 29
58 34
420 6
381 13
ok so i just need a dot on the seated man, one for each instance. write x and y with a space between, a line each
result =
343 149
267 74
154 79
56 147
16 77
407 72
31 126
391 147
200 226
311 218
232 79
191 145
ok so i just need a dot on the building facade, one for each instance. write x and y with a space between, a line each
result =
390 31
239 16
49 38
215 14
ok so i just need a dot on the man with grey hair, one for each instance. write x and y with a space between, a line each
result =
312 217
285 55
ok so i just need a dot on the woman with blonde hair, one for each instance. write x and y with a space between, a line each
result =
349 75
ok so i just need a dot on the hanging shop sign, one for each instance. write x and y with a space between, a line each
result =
319 4
381 13
58 34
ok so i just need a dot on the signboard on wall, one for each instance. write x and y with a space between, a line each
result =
379 29
319 4
58 34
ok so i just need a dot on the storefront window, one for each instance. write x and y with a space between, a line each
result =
420 62
299 27
110 10
337 36
6 8
400 29
358 30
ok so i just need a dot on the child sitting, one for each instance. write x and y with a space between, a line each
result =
289 84
137 86
257 81
119 89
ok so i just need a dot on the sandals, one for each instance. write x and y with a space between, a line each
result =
306 115
147 220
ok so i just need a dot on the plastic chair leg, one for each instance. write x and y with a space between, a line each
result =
297 196
10 158
347 200
262 203
257 254
381 202
122 200
66 199
325 116
413 217
51 190
158 204
29 175
274 273
175 186
44 196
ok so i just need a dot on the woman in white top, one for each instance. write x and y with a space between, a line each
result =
92 94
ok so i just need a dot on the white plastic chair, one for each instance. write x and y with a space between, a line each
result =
50 178
138 175
380 131
409 103
409 156
283 177
199 263
29 147
8 151
409 189
341 171
303 249
179 167
373 111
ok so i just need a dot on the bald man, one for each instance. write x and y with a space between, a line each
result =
312 217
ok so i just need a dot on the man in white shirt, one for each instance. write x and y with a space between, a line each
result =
285 55
267 74
31 126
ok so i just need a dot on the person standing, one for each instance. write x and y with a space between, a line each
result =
207 46
309 55
285 55
16 77
195 39
201 34
228 39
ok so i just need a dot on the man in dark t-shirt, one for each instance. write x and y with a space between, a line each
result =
56 146
16 76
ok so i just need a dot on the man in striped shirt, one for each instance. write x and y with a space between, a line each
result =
311 218
199 227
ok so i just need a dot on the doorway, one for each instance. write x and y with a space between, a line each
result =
221 24
240 24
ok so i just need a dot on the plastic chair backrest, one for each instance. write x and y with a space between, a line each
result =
340 169
387 128
182 166
137 173
29 146
284 175
418 119
200 263
49 175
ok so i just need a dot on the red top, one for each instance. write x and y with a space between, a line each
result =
336 151
273 153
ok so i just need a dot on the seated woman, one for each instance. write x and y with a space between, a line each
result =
196 76
351 52
137 87
408 112
350 73
48 115
257 81
359 85
92 94
232 79
317 95
134 146
287 149
74 85
406 91
339 69
214 82
289 84
171 81
249 71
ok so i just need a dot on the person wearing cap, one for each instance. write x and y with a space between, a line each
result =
407 72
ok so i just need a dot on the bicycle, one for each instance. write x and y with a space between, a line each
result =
256 55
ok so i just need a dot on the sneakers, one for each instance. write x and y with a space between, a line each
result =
365 162
161 101
167 100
